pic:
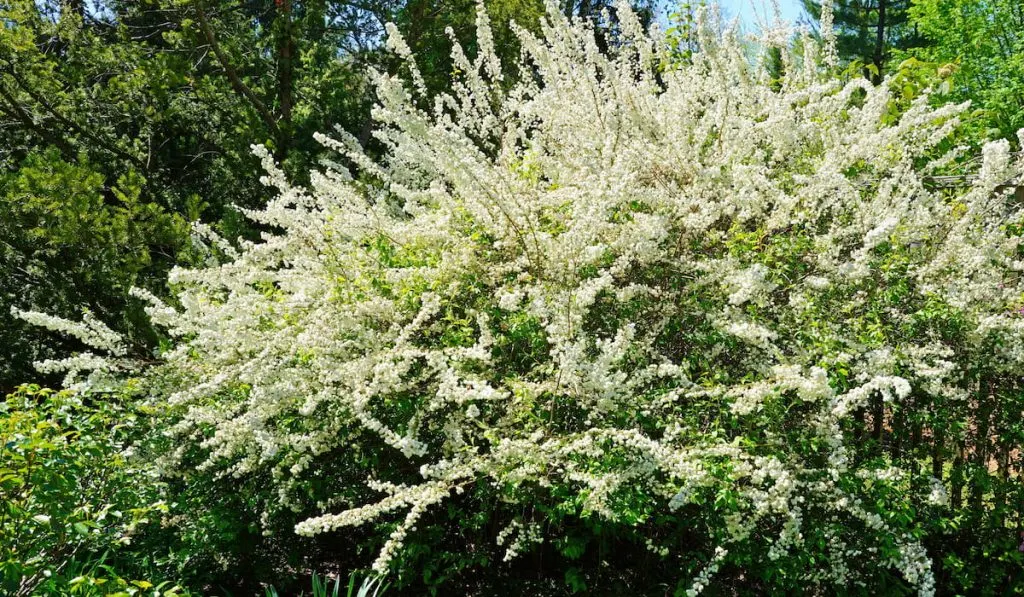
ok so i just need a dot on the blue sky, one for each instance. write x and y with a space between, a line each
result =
747 10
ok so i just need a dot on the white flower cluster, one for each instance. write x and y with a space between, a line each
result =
523 537
704 578
606 276
90 331
102 370
749 284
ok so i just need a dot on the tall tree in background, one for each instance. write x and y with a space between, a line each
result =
962 49
83 213
868 30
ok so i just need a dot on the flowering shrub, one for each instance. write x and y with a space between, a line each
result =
679 303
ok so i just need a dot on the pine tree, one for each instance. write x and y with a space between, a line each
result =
868 30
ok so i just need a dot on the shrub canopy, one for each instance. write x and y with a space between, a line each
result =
678 300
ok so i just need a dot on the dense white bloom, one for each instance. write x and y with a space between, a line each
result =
749 284
937 495
90 331
608 277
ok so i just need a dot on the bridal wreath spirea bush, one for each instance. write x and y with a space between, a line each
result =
666 295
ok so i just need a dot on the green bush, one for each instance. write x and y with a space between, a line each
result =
74 504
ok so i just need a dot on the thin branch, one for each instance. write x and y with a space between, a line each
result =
236 82
68 122
25 118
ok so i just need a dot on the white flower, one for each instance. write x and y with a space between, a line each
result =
600 256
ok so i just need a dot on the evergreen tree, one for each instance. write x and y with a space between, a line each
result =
867 31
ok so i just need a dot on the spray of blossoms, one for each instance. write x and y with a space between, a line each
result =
655 290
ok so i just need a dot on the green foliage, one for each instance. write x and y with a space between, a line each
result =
868 31
73 502
960 50
323 587
978 45
70 239
682 30
119 116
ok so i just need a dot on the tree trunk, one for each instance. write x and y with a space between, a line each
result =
77 7
285 75
236 81
986 403
879 58
938 461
